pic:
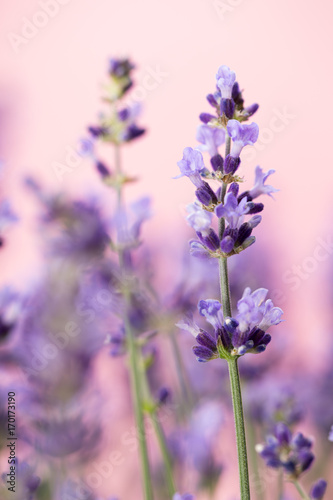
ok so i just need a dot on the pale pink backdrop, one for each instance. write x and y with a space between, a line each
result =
282 54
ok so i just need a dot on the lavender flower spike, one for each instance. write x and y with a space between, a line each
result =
210 138
225 81
191 165
242 135
259 184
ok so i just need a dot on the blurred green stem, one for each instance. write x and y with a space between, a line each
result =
134 357
152 409
252 441
300 490
187 397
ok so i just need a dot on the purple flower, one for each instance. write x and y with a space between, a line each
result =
239 335
7 218
212 310
128 129
191 166
275 402
197 249
287 451
198 218
259 184
253 311
225 79
186 496
318 490
120 67
117 341
210 138
194 445
28 482
232 211
242 135
85 147
129 223
120 78
10 310
330 436
189 325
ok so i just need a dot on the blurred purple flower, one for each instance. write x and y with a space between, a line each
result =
210 138
186 496
7 218
27 483
10 309
198 218
318 490
291 452
330 436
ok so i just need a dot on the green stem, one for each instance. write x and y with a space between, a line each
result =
300 490
118 173
252 440
240 429
280 485
224 287
187 397
153 412
165 454
233 366
134 356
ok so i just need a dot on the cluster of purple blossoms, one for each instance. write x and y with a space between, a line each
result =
7 218
246 332
10 310
119 126
28 482
120 78
293 454
231 206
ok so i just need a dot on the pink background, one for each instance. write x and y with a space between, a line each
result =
281 52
